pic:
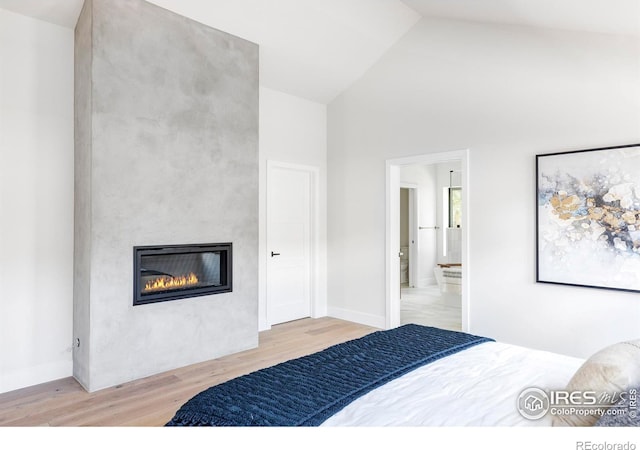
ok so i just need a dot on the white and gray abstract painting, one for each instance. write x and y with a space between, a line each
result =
589 218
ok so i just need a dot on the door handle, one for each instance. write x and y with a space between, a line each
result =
274 254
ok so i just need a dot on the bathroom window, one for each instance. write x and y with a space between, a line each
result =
455 207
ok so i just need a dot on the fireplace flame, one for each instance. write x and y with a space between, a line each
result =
167 282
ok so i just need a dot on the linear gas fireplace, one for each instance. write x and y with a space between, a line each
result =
172 272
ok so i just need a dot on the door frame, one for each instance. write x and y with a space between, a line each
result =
314 244
392 233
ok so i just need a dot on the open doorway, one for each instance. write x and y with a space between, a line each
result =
427 215
430 228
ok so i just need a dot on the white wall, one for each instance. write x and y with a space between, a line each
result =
506 93
293 130
36 201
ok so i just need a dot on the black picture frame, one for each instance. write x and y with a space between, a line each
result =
588 218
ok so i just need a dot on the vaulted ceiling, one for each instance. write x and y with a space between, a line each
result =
317 48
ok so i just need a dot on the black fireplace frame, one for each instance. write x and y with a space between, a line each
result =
226 269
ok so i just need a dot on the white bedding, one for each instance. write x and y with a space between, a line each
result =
478 386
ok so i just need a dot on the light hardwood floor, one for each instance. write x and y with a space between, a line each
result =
152 401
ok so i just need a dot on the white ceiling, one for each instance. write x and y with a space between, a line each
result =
309 48
317 48
599 16
60 12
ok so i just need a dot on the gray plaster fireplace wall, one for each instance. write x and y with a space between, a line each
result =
166 153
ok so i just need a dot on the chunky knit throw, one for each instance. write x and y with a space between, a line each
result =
308 390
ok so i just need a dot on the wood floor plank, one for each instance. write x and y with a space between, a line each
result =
153 400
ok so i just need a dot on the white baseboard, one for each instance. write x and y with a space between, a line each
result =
20 378
371 320
263 325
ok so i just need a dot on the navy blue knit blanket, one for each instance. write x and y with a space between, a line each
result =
308 390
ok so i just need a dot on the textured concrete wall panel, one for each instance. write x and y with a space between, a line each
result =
174 161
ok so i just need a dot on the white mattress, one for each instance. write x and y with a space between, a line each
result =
478 386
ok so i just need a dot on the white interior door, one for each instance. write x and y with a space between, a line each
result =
414 261
289 201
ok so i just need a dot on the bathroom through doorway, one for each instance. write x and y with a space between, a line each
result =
427 218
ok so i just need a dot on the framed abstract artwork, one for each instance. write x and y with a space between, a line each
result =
588 218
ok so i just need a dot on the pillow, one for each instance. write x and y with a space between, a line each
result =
626 415
613 370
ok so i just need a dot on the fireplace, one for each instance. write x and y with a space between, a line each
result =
172 272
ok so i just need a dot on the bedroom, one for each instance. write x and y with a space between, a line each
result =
506 92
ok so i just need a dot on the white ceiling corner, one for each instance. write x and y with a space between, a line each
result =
596 16
59 12
308 48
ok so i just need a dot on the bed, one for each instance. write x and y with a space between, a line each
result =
408 376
